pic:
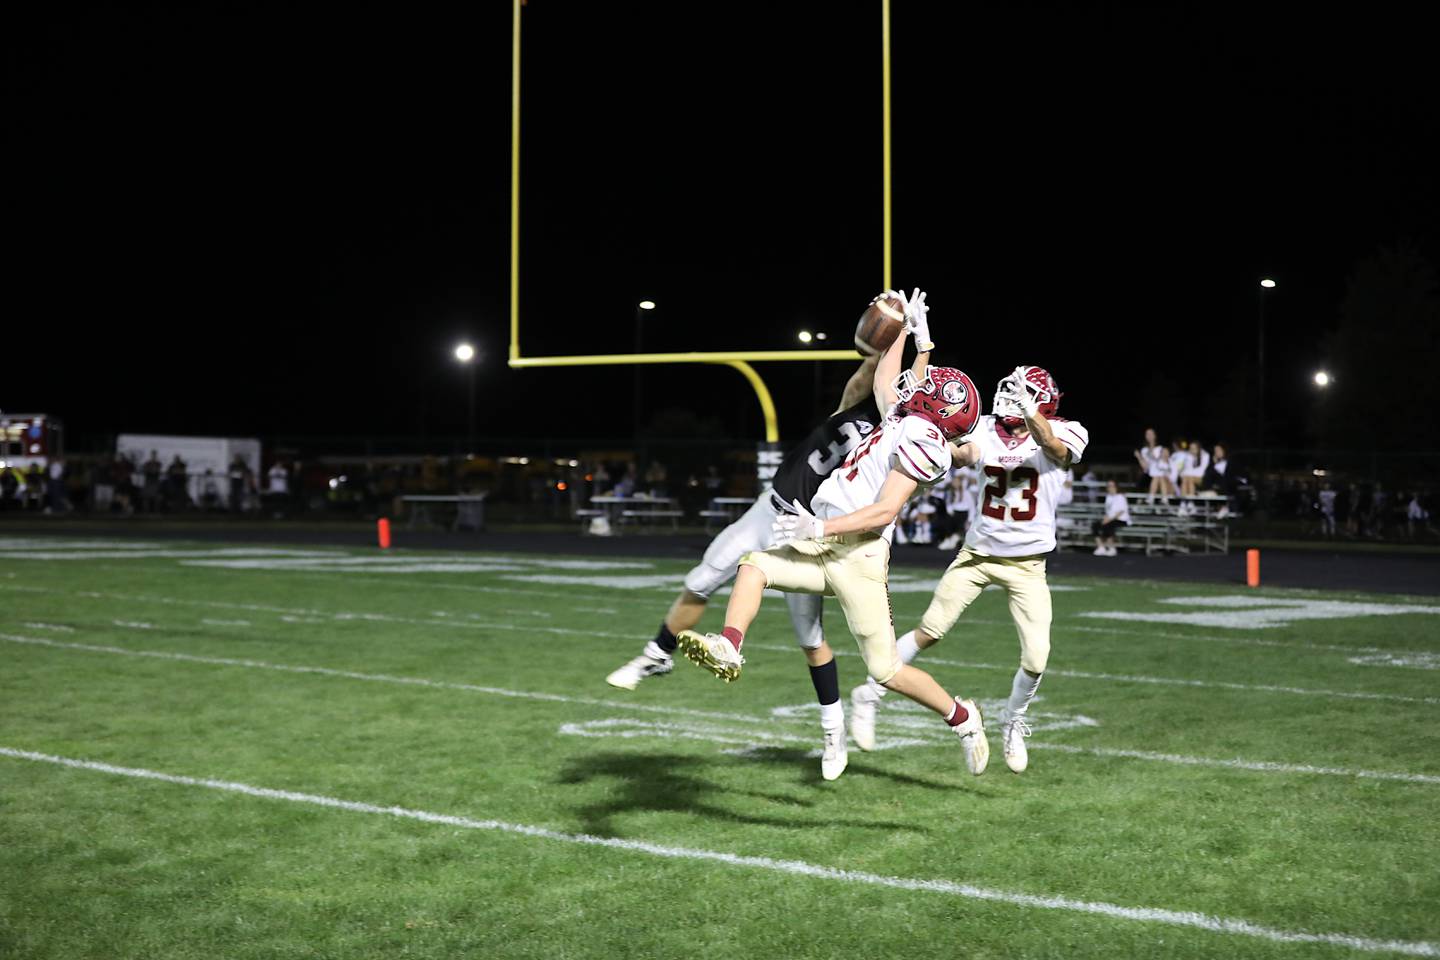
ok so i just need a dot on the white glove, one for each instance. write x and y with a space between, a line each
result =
801 525
1016 391
916 321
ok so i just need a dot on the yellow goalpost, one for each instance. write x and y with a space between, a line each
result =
738 360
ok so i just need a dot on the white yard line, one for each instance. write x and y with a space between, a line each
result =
1261 766
1162 681
383 678
939 736
1207 638
1179 918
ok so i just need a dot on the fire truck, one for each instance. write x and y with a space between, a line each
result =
27 438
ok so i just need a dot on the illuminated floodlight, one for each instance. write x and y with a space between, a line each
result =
464 353
806 336
1322 378
1267 283
647 304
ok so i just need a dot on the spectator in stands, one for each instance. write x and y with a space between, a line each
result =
626 486
1356 499
278 480
237 483
124 474
55 499
714 482
209 490
1179 461
1197 462
1221 478
9 487
1117 515
150 470
177 483
34 493
1160 476
1379 511
1147 455
1325 503
656 478
1417 517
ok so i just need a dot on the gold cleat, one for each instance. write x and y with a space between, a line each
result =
712 652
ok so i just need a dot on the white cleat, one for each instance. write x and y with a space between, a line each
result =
651 663
863 704
712 651
835 758
972 738
1013 735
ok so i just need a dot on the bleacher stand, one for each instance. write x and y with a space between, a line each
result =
1157 524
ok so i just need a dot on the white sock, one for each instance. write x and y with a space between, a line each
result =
832 716
1022 691
653 651
907 647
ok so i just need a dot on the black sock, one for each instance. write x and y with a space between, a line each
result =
665 640
827 683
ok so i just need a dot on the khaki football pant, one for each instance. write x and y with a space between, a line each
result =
1024 581
853 568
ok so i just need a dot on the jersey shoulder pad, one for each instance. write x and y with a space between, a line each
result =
921 450
1073 434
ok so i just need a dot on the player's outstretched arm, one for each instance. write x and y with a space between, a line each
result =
885 373
897 489
861 382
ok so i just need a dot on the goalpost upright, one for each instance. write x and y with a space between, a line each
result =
739 360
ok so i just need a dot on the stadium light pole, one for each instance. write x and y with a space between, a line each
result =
1266 285
465 353
641 308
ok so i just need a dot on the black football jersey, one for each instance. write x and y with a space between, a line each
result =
808 463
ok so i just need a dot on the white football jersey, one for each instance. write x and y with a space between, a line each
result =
1022 488
910 444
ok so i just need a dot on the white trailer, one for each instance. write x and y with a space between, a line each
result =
207 459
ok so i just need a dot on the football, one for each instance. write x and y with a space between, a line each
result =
879 325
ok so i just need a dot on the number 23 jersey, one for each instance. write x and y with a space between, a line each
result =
1020 489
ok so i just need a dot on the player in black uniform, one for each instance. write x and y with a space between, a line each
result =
799 475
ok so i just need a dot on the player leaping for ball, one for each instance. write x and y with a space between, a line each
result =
1023 449
844 547
799 475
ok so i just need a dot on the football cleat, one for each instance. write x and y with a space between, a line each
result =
972 738
711 651
863 704
1013 735
650 663
835 758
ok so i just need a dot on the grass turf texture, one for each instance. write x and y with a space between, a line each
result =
98 865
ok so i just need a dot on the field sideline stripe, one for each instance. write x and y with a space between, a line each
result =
1200 921
1066 627
1162 681
1263 766
381 678
345 617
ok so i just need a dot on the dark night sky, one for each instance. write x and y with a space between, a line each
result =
264 220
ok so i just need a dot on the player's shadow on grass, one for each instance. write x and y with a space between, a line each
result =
665 783
809 769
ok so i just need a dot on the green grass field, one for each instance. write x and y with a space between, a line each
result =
245 752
